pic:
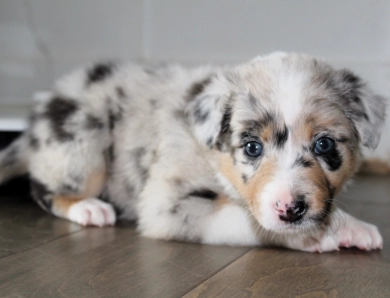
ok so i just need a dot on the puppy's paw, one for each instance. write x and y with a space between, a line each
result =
354 233
360 234
92 212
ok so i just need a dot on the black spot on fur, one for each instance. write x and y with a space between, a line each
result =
142 171
68 189
76 179
348 86
120 92
351 78
244 178
114 117
303 162
197 88
333 160
33 118
281 137
253 101
58 111
100 72
178 182
254 127
174 209
111 119
200 115
154 104
48 141
109 156
180 115
111 153
150 71
119 210
93 122
34 142
225 123
225 132
204 193
130 190
210 142
41 194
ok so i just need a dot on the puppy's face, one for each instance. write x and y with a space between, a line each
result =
287 130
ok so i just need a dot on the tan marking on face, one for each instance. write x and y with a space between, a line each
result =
93 187
316 123
226 166
347 169
320 192
321 114
255 185
266 133
305 131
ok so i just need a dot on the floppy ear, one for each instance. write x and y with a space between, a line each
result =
209 111
365 109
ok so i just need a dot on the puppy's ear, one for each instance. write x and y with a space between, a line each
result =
209 111
365 109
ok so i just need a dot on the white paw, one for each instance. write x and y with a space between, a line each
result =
361 235
92 212
354 233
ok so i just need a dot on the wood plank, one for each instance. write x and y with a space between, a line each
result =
24 225
112 262
368 189
282 273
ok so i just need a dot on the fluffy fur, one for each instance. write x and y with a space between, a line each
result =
166 146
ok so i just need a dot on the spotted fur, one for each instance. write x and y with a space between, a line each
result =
166 147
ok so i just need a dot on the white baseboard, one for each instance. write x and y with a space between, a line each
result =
14 117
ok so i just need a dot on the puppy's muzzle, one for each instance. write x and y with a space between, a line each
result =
291 212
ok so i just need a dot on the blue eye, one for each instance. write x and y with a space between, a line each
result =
253 149
324 146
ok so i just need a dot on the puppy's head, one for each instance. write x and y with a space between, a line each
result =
287 130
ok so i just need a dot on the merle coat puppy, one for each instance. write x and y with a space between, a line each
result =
246 155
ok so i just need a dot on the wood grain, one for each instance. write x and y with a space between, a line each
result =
112 262
24 225
283 273
373 190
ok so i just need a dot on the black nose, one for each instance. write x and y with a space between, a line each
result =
295 212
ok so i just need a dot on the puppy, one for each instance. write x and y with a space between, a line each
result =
245 155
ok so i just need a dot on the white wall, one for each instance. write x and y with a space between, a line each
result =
41 39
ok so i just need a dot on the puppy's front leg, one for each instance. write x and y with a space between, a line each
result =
199 216
343 230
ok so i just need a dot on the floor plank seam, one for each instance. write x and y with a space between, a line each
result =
41 244
222 268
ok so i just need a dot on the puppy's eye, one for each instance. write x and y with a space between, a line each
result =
253 149
324 146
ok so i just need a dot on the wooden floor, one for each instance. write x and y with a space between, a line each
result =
42 256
